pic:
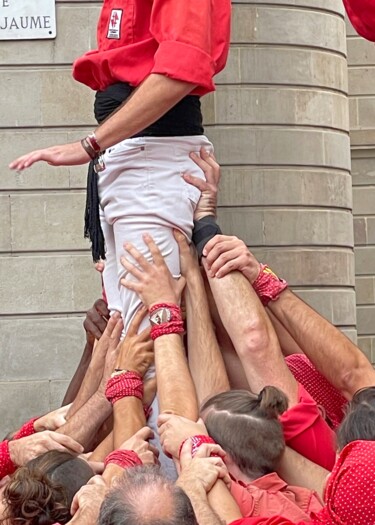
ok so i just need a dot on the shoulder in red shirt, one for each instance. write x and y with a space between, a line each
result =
184 40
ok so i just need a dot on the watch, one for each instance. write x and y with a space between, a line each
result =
160 316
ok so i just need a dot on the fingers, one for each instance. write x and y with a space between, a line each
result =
207 449
154 250
116 333
136 321
207 162
67 442
131 268
195 181
186 453
102 308
112 324
145 433
94 323
181 240
164 418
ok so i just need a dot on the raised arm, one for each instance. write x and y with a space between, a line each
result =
156 287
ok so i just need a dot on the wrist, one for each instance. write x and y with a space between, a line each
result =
193 489
10 449
204 213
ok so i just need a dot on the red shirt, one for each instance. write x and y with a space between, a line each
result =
306 431
186 40
362 16
271 496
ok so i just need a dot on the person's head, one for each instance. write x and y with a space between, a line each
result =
247 427
41 492
359 421
143 496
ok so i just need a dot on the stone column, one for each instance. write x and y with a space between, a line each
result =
279 121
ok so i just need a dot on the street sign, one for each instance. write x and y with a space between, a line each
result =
27 19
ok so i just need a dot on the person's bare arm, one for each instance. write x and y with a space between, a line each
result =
94 325
332 353
295 469
205 360
154 97
106 344
252 334
155 284
136 354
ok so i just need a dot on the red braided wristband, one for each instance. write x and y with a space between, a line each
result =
267 285
175 325
124 385
197 441
26 430
93 141
6 464
123 458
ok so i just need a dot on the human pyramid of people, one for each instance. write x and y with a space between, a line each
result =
207 392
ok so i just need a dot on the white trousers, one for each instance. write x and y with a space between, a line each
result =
142 191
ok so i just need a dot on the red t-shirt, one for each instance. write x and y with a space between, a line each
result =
306 431
275 520
362 16
186 40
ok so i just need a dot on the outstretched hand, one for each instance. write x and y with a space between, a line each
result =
71 154
153 282
209 187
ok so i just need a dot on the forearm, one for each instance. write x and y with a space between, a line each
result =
91 381
298 470
333 354
103 449
252 334
129 417
78 376
204 513
154 97
205 360
87 420
176 390
223 503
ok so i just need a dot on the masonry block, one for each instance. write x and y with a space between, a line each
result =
48 222
57 392
365 290
310 267
336 305
20 401
41 348
280 106
58 101
366 319
5 243
290 26
301 186
47 284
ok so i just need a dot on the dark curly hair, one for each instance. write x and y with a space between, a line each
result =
41 492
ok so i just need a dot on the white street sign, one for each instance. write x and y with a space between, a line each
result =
27 19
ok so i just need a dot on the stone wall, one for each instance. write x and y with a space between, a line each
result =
361 59
279 121
46 277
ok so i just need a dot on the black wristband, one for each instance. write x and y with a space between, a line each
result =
204 230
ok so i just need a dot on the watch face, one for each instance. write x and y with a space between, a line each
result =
163 315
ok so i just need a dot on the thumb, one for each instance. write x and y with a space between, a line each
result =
186 453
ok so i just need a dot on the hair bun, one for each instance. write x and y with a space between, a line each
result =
272 401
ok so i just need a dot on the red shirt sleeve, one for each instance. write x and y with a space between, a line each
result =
193 38
362 16
306 431
6 464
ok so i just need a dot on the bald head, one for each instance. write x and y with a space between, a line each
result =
144 497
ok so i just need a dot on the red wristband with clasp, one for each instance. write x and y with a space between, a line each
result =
198 441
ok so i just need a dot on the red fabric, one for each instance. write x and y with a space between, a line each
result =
275 520
306 431
318 387
197 441
26 430
123 385
350 492
123 458
184 40
270 496
267 285
6 464
362 16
